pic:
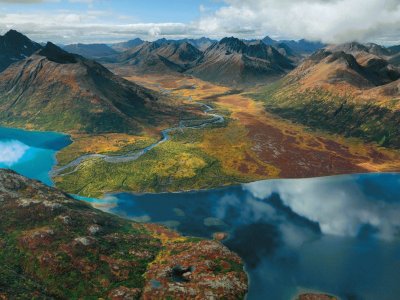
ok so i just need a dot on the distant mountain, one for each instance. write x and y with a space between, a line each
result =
160 56
124 46
90 50
202 43
299 47
14 47
232 61
57 90
347 89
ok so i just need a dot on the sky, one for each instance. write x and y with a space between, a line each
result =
94 21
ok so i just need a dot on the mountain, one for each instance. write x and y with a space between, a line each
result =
57 90
90 50
300 47
202 43
346 89
232 61
55 247
121 47
160 56
14 47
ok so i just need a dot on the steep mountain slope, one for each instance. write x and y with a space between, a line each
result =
349 89
56 90
90 50
231 61
14 47
124 46
55 247
160 57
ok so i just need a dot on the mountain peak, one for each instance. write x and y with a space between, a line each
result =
13 32
233 44
268 41
56 54
15 46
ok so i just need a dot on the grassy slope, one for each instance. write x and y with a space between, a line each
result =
251 145
179 164
333 112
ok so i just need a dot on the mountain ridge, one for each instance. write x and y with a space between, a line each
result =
97 100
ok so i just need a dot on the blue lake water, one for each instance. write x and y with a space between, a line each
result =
339 235
30 153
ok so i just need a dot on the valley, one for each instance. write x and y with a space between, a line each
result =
250 145
208 149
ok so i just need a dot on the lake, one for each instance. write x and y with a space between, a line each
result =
31 153
339 235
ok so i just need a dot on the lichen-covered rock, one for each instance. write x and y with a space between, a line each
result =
52 246
312 296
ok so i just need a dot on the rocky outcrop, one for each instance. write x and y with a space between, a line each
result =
53 246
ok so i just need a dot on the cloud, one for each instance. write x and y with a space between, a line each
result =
330 21
11 152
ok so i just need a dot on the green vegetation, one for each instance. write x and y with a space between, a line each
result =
52 246
178 164
55 247
322 109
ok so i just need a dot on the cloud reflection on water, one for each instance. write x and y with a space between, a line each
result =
11 152
340 206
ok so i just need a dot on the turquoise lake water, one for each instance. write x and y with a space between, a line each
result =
340 234
30 153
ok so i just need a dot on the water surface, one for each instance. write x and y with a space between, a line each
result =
30 153
340 235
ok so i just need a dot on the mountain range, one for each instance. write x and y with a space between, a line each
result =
160 56
352 89
232 61
90 50
229 61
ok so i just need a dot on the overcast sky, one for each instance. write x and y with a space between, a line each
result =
330 21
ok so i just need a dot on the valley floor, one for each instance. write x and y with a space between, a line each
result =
250 145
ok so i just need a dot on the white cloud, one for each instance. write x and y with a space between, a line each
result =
11 152
325 20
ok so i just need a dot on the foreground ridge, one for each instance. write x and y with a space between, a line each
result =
53 246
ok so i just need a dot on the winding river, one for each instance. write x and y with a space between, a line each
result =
165 136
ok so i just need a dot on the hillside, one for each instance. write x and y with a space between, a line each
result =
160 57
55 247
14 47
350 89
56 90
90 50
233 62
